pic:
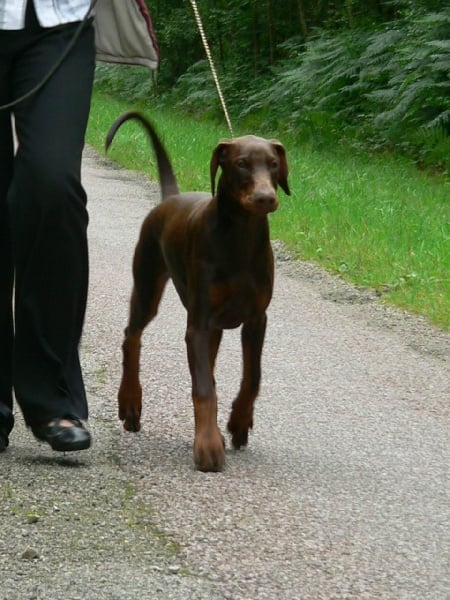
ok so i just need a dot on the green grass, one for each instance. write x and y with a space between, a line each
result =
376 220
189 142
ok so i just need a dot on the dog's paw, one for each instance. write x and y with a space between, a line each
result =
130 418
239 432
239 439
209 452
132 423
130 408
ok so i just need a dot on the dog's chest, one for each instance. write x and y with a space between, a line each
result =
237 299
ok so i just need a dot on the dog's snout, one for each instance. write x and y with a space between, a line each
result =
265 201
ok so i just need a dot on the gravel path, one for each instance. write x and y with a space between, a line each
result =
343 491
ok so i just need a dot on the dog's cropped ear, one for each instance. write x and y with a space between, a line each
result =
283 174
217 159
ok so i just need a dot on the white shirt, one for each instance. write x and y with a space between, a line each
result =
49 12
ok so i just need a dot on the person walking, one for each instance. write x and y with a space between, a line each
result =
43 218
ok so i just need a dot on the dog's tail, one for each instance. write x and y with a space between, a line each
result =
169 185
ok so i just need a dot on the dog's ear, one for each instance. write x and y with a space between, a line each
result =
217 159
283 174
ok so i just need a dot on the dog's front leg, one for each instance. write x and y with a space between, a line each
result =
209 451
241 418
130 391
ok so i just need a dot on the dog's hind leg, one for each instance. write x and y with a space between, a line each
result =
150 278
241 418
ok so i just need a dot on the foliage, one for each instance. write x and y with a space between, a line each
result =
376 72
132 83
391 85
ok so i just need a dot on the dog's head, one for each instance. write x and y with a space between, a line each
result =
252 168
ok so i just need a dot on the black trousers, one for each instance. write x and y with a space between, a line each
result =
43 221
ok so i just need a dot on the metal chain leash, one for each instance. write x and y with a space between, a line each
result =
211 64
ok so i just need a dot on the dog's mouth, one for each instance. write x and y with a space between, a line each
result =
261 204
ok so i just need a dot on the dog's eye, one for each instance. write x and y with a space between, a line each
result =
241 163
274 165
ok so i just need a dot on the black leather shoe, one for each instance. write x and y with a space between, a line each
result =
4 441
6 424
62 438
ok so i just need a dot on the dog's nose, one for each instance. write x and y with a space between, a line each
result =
265 201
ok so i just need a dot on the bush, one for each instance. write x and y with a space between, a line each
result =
386 86
390 87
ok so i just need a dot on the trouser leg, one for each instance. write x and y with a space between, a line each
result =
6 264
48 224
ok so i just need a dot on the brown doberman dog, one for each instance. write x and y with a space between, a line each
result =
216 249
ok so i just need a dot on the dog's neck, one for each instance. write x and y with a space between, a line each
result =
241 232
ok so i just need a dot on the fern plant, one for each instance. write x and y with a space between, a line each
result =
413 107
391 84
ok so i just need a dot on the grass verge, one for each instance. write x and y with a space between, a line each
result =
376 220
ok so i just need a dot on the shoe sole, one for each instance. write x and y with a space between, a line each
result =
72 447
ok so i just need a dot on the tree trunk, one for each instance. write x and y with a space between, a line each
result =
256 45
270 32
302 15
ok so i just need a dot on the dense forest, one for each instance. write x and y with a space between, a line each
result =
371 71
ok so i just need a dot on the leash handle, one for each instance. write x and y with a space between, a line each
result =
56 66
211 64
